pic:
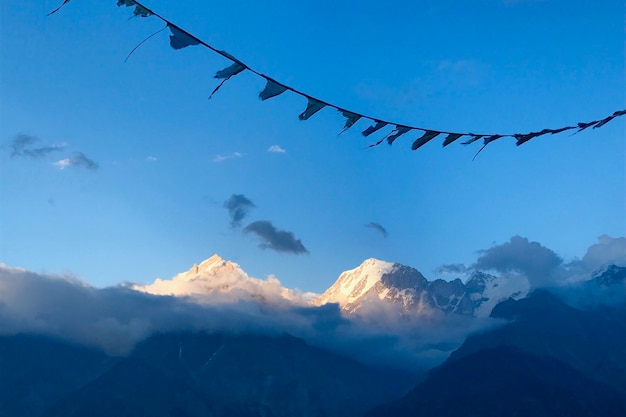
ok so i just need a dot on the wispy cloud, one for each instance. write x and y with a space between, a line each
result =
238 206
78 160
275 239
378 227
151 158
24 145
452 269
221 158
276 149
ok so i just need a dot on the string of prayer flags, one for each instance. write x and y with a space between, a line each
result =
179 39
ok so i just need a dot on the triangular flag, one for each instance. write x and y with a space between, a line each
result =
486 142
491 138
229 71
451 138
473 139
272 89
397 132
312 107
379 125
583 126
427 136
559 130
57 9
523 138
180 39
139 10
226 73
351 119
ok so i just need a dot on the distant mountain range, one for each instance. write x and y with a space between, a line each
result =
555 353
375 282
356 291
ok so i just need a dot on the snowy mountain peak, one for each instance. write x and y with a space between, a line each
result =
215 265
377 287
353 283
218 280
374 279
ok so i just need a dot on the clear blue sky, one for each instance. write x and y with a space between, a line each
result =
168 158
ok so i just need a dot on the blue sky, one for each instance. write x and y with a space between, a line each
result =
168 159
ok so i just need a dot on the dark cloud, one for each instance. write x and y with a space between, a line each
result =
537 262
238 206
276 239
23 145
77 160
378 227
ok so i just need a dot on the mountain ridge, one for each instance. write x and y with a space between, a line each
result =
374 284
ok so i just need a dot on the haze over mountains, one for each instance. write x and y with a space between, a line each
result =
214 341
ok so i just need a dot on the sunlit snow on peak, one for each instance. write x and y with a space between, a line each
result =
218 280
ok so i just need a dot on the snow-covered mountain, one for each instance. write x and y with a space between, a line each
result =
373 288
219 280
376 284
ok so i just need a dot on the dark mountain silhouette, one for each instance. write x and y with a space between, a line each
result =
189 375
505 381
37 371
551 359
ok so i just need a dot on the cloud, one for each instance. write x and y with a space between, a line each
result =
23 145
537 262
77 160
222 158
151 158
273 238
378 227
238 206
276 149
607 251
116 318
